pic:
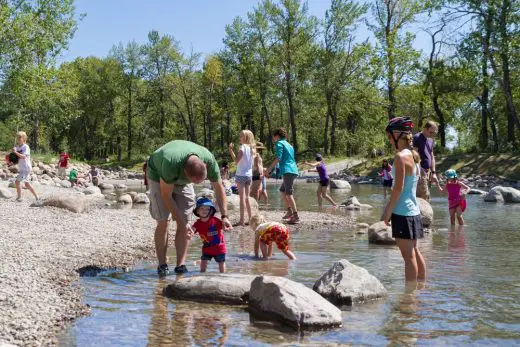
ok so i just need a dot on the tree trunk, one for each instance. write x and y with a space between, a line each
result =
441 119
390 57
326 132
494 133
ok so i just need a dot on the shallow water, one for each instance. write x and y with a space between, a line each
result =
471 296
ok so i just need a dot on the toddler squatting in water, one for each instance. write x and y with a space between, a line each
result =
268 232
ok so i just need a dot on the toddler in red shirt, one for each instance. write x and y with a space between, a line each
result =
211 231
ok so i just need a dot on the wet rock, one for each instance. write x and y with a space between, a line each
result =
339 184
380 234
132 194
212 288
5 193
351 200
362 225
346 283
141 198
426 212
280 299
503 194
125 199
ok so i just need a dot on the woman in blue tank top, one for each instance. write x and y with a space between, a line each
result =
403 209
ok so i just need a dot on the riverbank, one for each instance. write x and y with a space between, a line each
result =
44 251
504 166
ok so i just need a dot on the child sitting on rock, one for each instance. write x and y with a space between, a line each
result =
211 231
456 196
268 232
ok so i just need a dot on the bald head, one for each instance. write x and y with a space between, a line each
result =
195 169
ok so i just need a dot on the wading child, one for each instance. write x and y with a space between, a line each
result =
386 174
211 231
266 234
321 169
456 196
23 152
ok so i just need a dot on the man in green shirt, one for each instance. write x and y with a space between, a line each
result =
171 171
284 152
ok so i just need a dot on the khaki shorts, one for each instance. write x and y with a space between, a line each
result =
183 196
423 189
62 171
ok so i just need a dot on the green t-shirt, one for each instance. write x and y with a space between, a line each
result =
285 153
73 174
168 162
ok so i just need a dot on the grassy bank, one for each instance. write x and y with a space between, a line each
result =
503 165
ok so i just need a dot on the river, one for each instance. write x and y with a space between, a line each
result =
471 296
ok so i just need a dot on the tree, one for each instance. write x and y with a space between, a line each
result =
396 49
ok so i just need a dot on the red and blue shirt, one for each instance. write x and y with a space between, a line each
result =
212 234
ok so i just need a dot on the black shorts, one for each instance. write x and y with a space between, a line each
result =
287 186
324 183
388 183
218 258
256 177
409 228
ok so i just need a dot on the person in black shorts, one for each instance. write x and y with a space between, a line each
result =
403 209
386 174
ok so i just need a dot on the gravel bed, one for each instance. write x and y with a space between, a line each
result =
43 251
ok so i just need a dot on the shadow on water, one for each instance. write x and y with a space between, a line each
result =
472 293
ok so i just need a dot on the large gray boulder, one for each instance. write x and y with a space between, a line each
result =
503 194
5 193
339 184
72 202
474 191
346 283
233 203
380 234
121 187
280 299
212 288
426 212
65 184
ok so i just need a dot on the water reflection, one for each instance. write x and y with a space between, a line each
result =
186 323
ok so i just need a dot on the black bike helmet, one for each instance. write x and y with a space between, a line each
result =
399 123
402 124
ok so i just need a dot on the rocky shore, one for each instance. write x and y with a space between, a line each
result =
44 250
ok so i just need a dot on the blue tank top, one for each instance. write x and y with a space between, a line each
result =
407 204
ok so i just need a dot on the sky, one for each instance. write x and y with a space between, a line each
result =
197 24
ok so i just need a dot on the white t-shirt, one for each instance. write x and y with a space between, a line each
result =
24 165
245 165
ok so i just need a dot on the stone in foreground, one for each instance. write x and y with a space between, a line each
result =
280 299
346 283
212 288
380 234
5 193
426 212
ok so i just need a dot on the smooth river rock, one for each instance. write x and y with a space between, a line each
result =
125 199
212 288
426 212
141 198
72 202
380 234
339 184
280 299
91 190
233 203
503 194
6 193
346 283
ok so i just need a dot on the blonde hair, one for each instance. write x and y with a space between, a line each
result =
21 135
249 139
408 139
256 220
